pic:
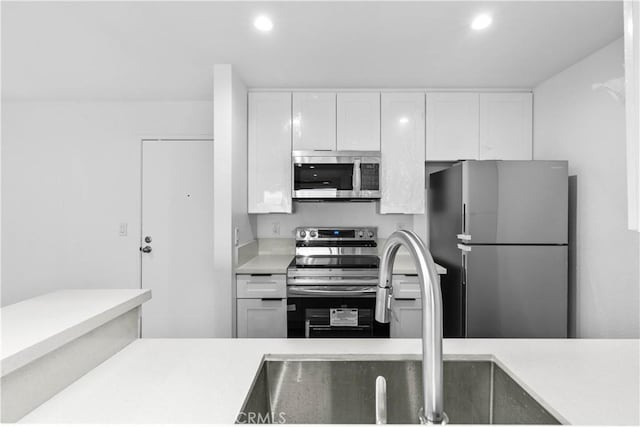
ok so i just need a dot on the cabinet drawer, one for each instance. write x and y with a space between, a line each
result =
406 286
261 286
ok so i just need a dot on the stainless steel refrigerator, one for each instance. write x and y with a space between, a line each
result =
501 230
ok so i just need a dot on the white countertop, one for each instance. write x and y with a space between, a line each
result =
207 380
266 264
39 325
277 264
404 265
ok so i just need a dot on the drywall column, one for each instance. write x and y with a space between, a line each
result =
579 120
231 222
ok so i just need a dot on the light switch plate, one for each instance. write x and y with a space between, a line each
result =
123 229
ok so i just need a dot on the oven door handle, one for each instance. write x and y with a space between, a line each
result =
314 281
336 291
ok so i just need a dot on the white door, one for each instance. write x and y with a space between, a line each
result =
506 126
452 126
177 228
358 121
314 121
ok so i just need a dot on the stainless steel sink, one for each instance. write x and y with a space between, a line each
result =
338 390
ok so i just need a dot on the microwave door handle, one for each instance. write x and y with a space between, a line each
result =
356 180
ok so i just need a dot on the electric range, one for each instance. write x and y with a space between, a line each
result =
331 284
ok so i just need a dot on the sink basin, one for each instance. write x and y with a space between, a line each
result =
335 390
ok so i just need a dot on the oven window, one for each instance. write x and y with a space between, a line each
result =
337 176
311 317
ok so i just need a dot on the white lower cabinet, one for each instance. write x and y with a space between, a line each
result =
406 307
262 318
261 306
406 316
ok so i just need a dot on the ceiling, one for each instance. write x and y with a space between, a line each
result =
165 50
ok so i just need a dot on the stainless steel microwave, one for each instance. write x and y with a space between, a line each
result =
336 174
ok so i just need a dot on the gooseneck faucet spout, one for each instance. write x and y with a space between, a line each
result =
432 383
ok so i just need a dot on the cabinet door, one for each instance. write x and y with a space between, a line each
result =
358 121
506 131
406 318
269 163
314 121
402 147
262 318
452 126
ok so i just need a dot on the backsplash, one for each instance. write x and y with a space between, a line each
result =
332 214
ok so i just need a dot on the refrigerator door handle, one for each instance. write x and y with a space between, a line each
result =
464 218
464 268
464 248
464 237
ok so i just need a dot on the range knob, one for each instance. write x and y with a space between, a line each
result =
361 234
371 234
303 234
313 234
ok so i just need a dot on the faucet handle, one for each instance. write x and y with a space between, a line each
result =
381 400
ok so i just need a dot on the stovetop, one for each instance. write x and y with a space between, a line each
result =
330 261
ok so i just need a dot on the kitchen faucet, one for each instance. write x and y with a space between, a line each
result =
432 388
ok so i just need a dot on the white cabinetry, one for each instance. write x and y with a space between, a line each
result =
269 152
262 318
452 126
479 126
406 318
402 146
506 128
314 121
358 123
261 306
406 307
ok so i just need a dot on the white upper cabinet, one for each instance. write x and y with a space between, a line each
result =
269 163
402 147
314 121
506 126
452 126
358 126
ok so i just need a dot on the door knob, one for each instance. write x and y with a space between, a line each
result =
146 249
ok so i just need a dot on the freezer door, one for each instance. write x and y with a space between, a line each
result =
521 202
516 291
445 214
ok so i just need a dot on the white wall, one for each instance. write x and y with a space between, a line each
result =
230 188
335 214
70 176
586 127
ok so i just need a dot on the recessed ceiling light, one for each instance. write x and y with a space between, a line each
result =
481 21
263 23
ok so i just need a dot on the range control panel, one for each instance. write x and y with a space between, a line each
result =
337 233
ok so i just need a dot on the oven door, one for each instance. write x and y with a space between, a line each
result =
333 312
